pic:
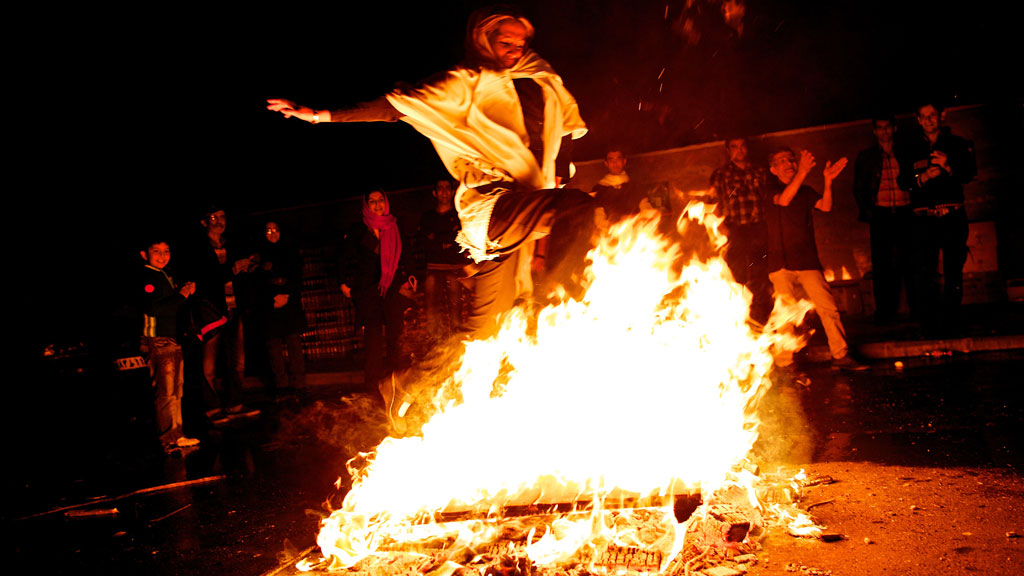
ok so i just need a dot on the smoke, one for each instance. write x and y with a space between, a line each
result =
786 437
353 424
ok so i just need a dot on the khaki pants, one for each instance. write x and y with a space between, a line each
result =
813 284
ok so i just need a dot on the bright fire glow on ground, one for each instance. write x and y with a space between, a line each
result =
646 386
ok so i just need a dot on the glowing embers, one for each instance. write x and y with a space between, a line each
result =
645 387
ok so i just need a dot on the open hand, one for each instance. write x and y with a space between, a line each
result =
241 266
931 173
290 109
408 287
832 170
805 163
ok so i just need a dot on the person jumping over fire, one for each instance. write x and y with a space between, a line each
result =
502 123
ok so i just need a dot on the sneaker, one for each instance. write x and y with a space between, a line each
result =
220 418
242 410
185 442
848 364
395 411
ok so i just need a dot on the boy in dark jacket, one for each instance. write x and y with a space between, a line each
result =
161 302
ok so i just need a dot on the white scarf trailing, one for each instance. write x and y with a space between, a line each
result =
614 180
475 121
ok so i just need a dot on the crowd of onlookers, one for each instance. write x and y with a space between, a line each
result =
197 313
908 187
198 316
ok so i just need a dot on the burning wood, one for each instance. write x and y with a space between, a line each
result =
658 361
91 513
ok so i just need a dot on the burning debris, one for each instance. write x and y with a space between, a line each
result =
613 438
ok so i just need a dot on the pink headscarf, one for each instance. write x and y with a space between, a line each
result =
390 241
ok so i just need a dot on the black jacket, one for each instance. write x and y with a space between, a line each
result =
947 188
867 177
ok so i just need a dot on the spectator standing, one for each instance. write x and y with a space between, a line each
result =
373 276
444 263
738 190
616 192
792 251
934 166
279 311
218 269
162 303
886 207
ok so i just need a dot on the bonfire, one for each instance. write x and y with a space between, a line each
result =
610 433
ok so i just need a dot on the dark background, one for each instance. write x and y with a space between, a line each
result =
134 120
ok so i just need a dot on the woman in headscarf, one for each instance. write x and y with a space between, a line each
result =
372 276
279 312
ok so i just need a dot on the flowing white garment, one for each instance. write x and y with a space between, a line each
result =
475 121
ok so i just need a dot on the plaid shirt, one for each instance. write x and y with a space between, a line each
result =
739 193
889 194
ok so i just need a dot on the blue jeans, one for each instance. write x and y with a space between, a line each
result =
166 365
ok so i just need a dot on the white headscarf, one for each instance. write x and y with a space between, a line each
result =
475 121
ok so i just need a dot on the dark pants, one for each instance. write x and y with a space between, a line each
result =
940 300
227 347
442 291
892 263
567 214
290 374
382 321
748 262
494 292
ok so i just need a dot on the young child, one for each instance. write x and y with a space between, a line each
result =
161 301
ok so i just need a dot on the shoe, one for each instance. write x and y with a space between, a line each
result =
220 419
848 364
185 442
217 417
242 410
395 412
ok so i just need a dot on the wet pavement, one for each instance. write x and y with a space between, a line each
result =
251 495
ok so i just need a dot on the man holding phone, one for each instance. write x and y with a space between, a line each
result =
934 166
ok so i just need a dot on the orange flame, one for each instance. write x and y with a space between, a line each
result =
646 386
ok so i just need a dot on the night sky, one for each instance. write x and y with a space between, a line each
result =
135 124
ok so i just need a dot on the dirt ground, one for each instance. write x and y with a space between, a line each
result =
906 521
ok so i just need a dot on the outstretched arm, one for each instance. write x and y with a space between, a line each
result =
831 172
379 110
292 110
